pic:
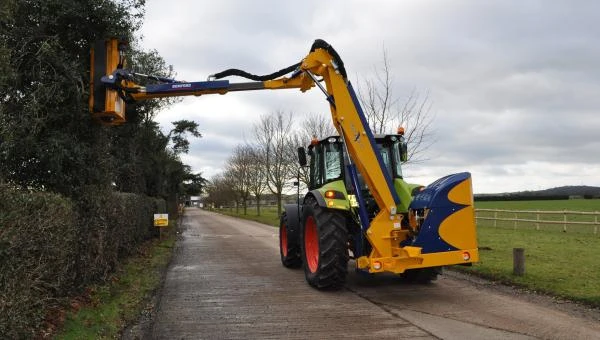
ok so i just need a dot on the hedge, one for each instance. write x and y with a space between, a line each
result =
52 246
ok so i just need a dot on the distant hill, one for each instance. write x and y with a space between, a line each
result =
563 192
574 190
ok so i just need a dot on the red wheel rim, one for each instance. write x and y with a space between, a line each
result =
311 244
283 240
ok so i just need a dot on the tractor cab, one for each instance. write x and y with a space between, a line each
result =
328 158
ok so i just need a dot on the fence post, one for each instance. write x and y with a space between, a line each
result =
495 218
518 261
537 224
515 223
565 220
596 223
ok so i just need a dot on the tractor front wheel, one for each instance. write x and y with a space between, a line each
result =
324 238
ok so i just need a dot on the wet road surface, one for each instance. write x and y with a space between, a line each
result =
226 282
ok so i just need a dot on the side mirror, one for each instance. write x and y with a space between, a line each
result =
403 151
302 156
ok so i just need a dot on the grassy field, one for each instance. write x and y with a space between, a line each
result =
268 215
559 206
565 264
577 205
560 263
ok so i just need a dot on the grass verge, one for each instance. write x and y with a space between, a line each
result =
556 263
268 215
106 309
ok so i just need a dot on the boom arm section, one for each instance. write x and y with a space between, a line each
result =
346 113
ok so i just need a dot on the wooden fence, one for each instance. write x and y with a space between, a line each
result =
568 220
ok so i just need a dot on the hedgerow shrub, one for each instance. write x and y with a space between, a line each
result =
51 246
38 252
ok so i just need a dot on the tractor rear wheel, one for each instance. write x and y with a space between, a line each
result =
289 248
324 238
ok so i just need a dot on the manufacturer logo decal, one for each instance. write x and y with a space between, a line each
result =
180 86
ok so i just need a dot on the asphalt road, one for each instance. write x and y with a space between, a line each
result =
226 282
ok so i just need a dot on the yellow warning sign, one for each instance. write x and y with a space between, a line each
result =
161 220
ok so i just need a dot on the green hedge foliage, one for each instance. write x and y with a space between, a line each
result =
51 246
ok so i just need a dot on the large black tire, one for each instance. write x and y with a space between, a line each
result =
289 248
421 275
324 238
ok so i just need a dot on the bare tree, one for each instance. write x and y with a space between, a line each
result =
315 125
384 111
416 117
238 171
298 139
377 98
220 191
257 176
273 135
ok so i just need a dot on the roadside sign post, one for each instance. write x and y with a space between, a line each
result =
161 221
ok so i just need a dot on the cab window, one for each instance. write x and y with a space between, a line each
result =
397 161
386 158
315 167
333 162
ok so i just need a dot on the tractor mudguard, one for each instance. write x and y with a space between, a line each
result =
340 199
318 196
293 222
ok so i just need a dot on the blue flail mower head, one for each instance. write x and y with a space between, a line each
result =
441 205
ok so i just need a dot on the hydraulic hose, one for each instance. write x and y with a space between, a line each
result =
319 43
244 74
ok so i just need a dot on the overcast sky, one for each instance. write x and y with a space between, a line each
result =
515 85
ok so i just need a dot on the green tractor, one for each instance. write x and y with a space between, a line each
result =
323 230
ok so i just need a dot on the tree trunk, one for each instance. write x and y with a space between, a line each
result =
258 205
279 203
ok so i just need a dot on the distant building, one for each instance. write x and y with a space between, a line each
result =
194 201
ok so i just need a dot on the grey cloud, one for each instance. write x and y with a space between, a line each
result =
513 84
